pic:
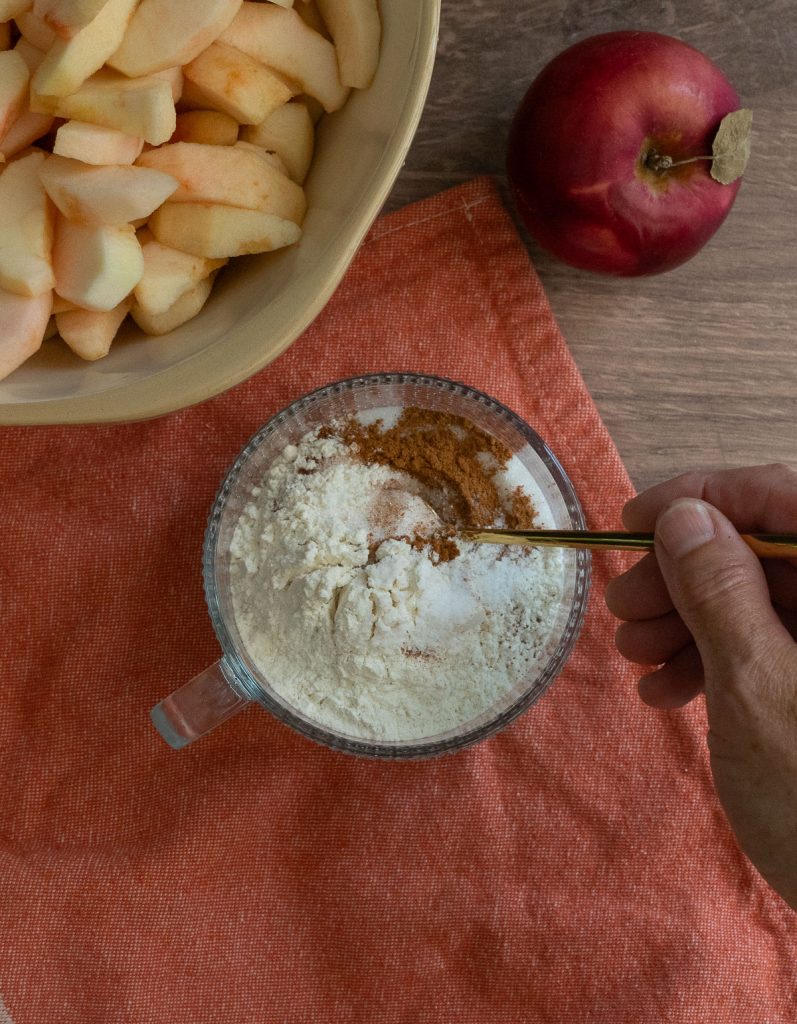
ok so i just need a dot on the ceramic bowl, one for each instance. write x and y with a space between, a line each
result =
260 304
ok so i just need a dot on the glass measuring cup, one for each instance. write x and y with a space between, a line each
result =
234 681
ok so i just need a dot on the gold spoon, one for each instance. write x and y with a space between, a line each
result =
765 545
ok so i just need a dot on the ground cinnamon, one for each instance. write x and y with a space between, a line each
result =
456 463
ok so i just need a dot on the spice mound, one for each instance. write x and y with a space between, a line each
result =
356 600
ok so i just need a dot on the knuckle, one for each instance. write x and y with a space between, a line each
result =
624 638
784 470
716 586
614 596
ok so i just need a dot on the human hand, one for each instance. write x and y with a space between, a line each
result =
718 620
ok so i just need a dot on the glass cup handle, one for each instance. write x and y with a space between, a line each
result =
198 706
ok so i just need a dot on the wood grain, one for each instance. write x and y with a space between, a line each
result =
691 369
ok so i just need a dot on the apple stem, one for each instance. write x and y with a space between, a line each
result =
660 162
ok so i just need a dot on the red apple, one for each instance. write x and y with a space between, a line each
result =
590 144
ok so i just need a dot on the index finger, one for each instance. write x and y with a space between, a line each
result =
758 498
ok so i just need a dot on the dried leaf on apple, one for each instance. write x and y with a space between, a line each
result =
731 147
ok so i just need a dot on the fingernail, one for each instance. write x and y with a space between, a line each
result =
684 526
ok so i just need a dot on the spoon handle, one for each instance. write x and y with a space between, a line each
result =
765 545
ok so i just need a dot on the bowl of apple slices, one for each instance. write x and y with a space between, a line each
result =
183 184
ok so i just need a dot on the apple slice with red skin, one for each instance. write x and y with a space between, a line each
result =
589 145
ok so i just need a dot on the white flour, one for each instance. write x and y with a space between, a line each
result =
368 636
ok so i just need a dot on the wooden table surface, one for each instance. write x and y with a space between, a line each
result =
690 369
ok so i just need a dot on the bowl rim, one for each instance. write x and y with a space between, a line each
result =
211 373
237 665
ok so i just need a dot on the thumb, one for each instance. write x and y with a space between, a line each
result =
718 587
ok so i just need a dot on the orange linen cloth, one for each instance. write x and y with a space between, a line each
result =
575 868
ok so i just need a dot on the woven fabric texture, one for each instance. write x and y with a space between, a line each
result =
575 868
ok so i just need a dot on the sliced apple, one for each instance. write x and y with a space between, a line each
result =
163 33
14 78
230 175
104 195
69 62
50 330
191 99
232 81
140 106
27 128
61 305
311 16
94 144
356 31
289 133
174 76
264 154
280 39
207 126
185 309
68 17
13 8
314 108
35 31
96 266
89 332
194 97
27 236
168 274
215 231
29 53
23 322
